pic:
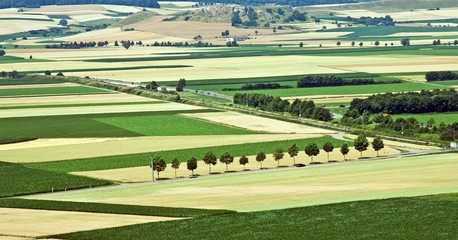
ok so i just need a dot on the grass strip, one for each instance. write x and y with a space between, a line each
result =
53 90
109 208
445 196
82 105
398 218
142 159
18 180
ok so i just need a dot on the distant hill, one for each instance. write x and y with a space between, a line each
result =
293 3
397 5
244 16
38 3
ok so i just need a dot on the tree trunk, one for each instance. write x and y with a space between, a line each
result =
175 173
361 154
294 160
312 159
243 167
157 175
328 156
377 153
210 168
278 163
261 164
226 167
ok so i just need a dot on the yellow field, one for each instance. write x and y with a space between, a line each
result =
95 109
111 35
143 174
15 26
293 187
38 86
89 17
179 4
73 99
403 34
121 8
256 123
136 145
34 223
397 144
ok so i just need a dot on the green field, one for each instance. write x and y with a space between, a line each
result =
379 88
108 208
399 218
27 81
142 159
447 118
50 91
113 125
17 180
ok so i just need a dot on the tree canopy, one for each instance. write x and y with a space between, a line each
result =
312 150
361 143
260 158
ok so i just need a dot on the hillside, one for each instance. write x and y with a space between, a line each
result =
243 16
391 5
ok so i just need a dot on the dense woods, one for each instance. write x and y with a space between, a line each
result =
441 76
38 3
410 102
327 81
378 21
258 86
299 108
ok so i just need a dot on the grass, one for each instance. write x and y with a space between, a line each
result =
109 208
47 91
361 89
447 118
27 81
445 196
399 218
142 159
17 180
169 125
112 125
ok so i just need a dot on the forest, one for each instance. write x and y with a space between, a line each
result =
38 3
327 81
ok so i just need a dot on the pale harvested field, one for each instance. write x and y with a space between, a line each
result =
138 145
23 15
96 110
256 123
179 4
396 144
294 187
444 13
34 223
89 17
121 8
50 142
66 8
73 99
403 34
191 29
111 35
143 174
16 26
38 86
408 68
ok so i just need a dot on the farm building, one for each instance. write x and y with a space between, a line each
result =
241 38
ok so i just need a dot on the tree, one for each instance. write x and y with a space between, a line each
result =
338 43
361 144
181 84
377 43
2 53
328 147
227 159
405 42
125 44
278 155
236 19
116 43
210 159
377 144
352 44
48 73
312 150
175 165
260 157
192 165
159 165
293 151
63 22
361 44
243 161
274 30
344 150
430 122
301 44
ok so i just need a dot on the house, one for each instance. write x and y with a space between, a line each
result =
241 38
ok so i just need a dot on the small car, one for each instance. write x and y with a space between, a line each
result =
300 165
342 106
192 176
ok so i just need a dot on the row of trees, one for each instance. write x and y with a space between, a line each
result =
378 21
361 144
327 81
445 100
276 104
258 86
38 3
438 42
440 76
76 45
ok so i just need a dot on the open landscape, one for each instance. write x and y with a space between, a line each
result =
247 119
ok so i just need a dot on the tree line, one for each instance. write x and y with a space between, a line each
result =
360 143
258 86
440 76
76 45
327 81
377 21
445 100
299 108
38 3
